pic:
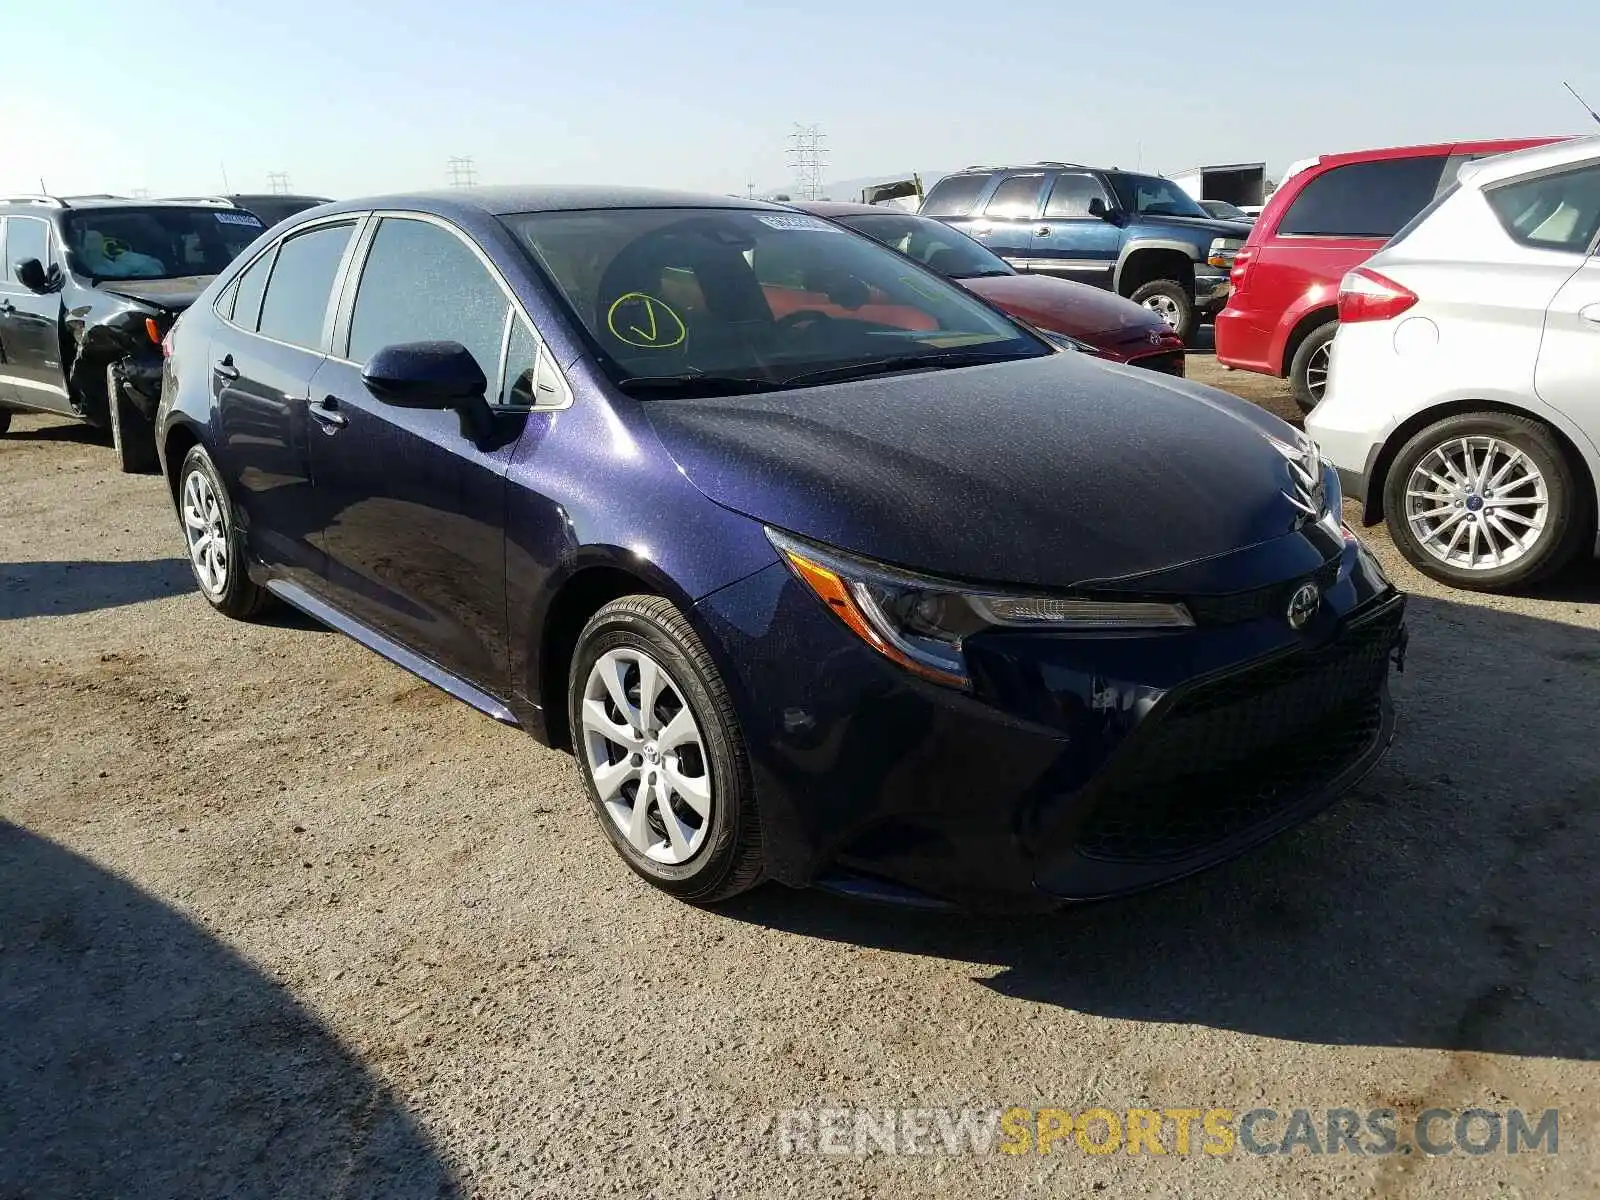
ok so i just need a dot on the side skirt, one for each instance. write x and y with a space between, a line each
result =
294 594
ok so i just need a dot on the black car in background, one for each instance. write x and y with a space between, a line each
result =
89 286
271 207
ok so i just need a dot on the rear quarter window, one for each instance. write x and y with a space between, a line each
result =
1364 199
1552 212
955 195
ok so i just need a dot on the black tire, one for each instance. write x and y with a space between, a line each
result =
132 436
1309 363
1566 526
5 419
729 858
239 596
1176 300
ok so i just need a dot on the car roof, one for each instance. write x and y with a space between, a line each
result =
1492 145
848 208
503 201
1528 161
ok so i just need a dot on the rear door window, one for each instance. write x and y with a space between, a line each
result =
1017 199
247 293
954 195
1365 199
1552 212
296 304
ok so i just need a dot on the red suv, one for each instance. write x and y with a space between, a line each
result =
1330 217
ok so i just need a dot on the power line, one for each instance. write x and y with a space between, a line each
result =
278 182
808 153
462 173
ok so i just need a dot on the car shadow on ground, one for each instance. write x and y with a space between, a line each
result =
54 589
67 431
1446 903
141 1057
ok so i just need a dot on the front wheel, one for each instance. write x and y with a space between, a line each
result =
1170 301
1485 501
132 435
661 753
216 547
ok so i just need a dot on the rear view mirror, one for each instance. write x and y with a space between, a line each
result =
437 375
31 274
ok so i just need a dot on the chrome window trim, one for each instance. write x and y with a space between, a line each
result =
516 309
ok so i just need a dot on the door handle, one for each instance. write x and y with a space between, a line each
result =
1590 313
7 308
225 369
1043 231
326 413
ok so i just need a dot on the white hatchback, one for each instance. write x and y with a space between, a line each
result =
1463 401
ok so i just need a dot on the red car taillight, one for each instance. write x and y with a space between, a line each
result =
1367 296
1241 265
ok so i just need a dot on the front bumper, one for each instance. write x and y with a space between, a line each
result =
1079 767
1211 288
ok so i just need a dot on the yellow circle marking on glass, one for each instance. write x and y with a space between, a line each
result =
654 326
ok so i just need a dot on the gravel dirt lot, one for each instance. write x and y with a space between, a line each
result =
278 919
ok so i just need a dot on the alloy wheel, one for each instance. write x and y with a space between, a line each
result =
1317 370
206 533
1477 503
1166 308
646 755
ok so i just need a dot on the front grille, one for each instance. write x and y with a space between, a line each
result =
1170 362
1234 753
1272 601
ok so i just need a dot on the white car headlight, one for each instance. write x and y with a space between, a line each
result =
921 622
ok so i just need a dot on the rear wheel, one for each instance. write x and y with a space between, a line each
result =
1485 501
132 436
1170 301
661 753
1308 371
216 547
5 419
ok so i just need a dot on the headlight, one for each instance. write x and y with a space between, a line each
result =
920 622
1223 251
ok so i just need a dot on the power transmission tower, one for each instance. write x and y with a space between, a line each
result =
141 193
278 182
808 152
462 172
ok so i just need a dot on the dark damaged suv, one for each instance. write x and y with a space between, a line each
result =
89 286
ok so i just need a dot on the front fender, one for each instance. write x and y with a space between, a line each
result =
1138 244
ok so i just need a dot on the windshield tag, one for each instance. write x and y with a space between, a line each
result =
774 221
239 219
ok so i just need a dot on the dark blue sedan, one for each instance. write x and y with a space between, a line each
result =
824 570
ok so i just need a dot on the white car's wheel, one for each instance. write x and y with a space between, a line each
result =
1485 501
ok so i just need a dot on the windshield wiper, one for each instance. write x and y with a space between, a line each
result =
899 362
691 383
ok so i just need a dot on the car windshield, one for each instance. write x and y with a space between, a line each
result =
932 243
1225 211
687 301
157 243
1152 196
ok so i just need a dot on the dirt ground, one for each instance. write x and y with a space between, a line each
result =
278 919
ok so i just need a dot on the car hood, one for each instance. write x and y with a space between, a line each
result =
1052 471
1061 306
1211 225
173 295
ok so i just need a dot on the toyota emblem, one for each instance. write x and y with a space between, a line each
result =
1303 605
1156 337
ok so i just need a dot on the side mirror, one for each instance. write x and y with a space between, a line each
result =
438 375
31 274
433 375
1097 208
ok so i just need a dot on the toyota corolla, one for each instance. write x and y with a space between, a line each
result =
894 598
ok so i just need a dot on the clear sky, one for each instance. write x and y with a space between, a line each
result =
356 96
